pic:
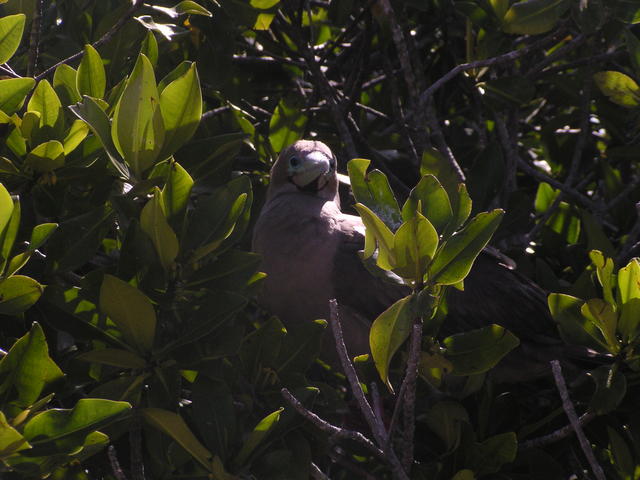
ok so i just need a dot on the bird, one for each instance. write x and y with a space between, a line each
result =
309 249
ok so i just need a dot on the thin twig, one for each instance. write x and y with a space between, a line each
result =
556 436
409 400
103 39
135 439
335 432
352 376
504 58
573 44
618 199
316 473
215 111
569 409
34 38
375 423
441 142
543 177
115 464
576 160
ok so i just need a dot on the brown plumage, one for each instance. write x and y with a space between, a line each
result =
310 254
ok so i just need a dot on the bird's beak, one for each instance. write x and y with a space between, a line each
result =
312 167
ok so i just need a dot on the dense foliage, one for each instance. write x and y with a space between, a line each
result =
136 140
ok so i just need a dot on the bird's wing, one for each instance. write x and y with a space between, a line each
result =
496 294
354 285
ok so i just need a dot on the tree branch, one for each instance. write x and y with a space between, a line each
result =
567 405
105 38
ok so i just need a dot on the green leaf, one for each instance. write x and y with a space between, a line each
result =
373 191
264 4
623 460
9 228
629 291
533 17
78 238
414 245
114 357
461 206
149 48
13 91
91 78
620 88
446 419
185 6
66 429
388 332
6 207
131 310
263 21
633 47
489 456
11 440
137 129
175 427
46 157
154 223
286 125
477 351
176 191
39 235
11 28
433 199
64 83
453 262
611 388
28 369
602 315
574 328
90 112
258 435
45 101
76 134
376 229
181 107
174 74
604 270
224 230
18 293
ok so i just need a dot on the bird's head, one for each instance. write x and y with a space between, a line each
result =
306 166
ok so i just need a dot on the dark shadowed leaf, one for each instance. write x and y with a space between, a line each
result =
175 427
478 351
532 17
131 310
611 387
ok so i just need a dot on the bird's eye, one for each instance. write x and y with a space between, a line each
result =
294 162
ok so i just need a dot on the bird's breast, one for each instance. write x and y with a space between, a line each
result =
298 246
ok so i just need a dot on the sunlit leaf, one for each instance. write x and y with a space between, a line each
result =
131 310
91 77
388 332
11 28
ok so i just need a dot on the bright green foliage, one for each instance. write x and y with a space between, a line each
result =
127 206
11 28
